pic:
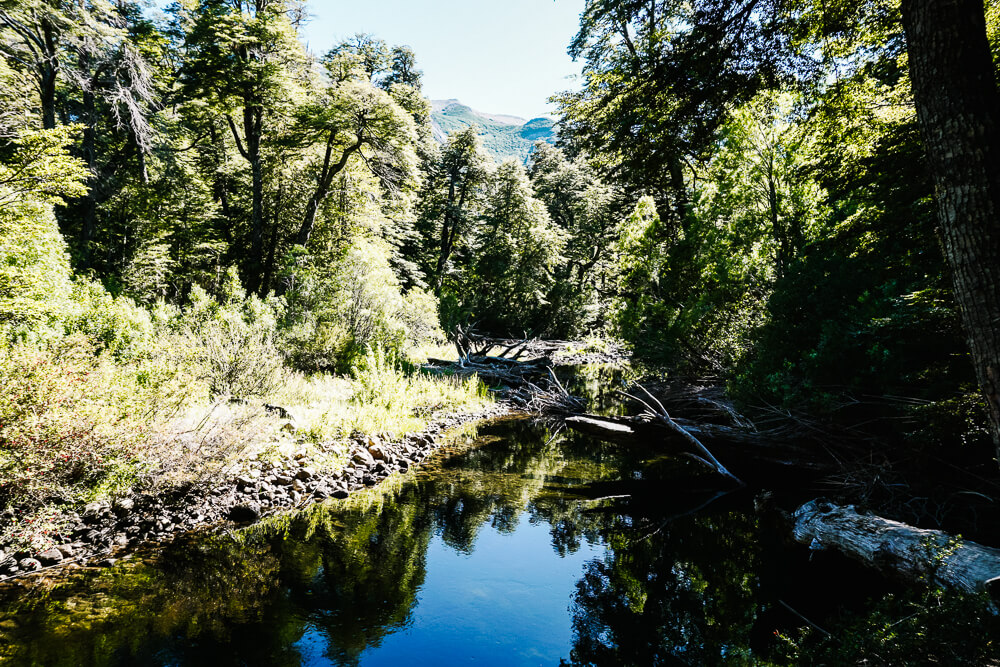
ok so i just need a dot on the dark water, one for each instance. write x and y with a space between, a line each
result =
514 547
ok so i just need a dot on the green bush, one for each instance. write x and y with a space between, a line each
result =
338 313
62 433
231 345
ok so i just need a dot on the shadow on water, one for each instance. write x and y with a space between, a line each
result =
513 546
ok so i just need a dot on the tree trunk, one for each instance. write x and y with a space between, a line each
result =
324 184
955 91
252 125
923 556
88 223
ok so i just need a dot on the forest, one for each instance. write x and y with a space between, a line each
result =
791 200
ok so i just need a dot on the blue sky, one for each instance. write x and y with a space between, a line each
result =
498 57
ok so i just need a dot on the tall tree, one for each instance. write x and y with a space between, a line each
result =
245 60
659 76
449 195
958 107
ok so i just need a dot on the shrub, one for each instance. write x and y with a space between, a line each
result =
232 343
338 313
60 435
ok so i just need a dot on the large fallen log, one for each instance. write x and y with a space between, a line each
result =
913 554
750 455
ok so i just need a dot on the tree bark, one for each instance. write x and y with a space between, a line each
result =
325 181
913 554
955 91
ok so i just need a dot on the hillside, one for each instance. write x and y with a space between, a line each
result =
503 136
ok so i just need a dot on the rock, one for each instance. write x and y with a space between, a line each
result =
340 494
8 564
283 480
120 540
368 480
123 506
245 513
297 485
296 497
288 427
29 564
363 457
107 562
50 556
305 474
244 481
279 411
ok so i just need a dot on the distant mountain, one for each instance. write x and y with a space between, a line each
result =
503 136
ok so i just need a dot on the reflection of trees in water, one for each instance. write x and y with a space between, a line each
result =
348 575
686 597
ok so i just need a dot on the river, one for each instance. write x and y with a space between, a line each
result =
514 545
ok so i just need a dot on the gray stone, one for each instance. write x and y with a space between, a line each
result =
363 457
29 564
283 480
123 506
50 556
244 480
296 496
297 485
305 474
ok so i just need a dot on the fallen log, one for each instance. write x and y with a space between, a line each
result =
749 454
913 554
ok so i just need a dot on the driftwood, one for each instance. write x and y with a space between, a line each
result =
913 554
529 384
655 413
748 454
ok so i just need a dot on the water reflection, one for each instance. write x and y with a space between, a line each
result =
522 548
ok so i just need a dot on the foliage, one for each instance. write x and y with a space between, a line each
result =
63 431
233 343
940 628
355 305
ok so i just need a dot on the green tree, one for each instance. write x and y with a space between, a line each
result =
515 255
245 62
448 201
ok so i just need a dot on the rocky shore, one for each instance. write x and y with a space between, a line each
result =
104 532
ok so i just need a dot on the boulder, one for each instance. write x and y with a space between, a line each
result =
29 564
50 556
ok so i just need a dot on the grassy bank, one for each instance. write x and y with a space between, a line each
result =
111 397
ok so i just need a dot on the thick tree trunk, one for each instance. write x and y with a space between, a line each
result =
958 108
913 554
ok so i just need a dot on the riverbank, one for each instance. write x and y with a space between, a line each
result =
282 465
105 531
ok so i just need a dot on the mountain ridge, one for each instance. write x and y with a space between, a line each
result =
504 136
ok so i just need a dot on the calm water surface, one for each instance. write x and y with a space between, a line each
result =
516 546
